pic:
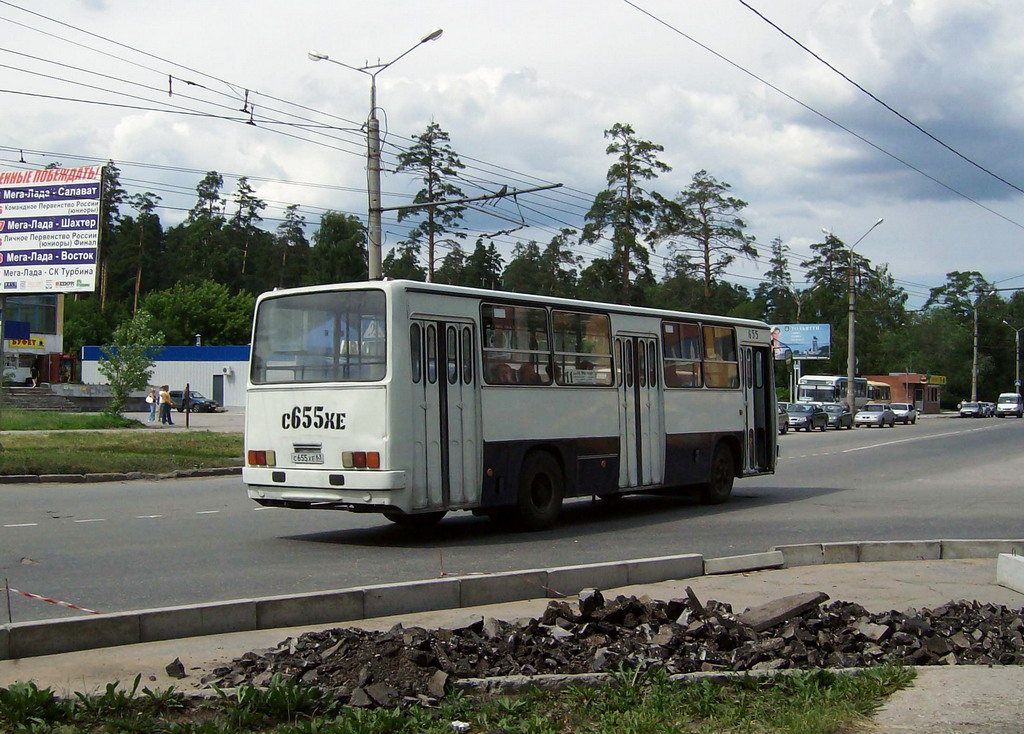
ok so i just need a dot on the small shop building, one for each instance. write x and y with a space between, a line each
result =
924 390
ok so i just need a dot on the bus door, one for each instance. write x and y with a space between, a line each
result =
447 462
641 428
760 438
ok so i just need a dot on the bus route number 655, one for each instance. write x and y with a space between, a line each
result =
313 416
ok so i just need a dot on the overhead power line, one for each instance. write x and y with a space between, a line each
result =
882 102
822 115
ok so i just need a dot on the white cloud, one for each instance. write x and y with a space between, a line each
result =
532 85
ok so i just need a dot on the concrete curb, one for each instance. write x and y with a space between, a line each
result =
1010 571
816 554
118 476
30 639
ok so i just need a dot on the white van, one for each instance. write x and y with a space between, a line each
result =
1009 403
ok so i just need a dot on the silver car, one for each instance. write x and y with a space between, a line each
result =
875 414
905 412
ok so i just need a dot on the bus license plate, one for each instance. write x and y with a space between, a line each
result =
308 458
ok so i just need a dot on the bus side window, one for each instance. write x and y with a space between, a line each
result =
416 352
641 360
452 361
431 354
467 355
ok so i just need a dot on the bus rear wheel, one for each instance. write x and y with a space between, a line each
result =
541 490
723 472
420 520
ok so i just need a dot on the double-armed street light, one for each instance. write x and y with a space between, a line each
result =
851 354
373 149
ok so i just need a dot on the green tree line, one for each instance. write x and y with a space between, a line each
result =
201 276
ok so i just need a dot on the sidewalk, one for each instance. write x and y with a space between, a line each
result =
231 420
943 699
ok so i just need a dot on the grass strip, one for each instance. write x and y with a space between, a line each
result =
14 419
87 452
818 702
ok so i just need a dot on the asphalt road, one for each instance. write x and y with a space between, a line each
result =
131 545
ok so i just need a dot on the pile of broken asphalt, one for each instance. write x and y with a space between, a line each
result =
594 637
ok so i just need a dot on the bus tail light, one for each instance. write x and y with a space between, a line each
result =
360 459
261 458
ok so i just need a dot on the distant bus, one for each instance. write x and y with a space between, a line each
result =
830 389
415 399
879 392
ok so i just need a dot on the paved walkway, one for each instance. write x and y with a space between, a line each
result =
943 700
228 421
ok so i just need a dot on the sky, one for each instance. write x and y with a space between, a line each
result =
526 90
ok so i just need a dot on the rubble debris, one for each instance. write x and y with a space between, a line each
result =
176 669
596 635
768 615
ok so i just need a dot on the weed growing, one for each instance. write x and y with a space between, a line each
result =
639 702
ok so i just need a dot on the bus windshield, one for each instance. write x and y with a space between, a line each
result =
327 336
818 393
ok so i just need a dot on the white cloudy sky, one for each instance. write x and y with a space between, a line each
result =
526 89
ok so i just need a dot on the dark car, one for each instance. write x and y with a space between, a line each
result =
197 402
807 416
783 418
839 416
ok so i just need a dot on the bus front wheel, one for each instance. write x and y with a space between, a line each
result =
723 472
541 490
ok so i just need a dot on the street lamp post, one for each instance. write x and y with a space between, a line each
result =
1016 351
851 353
373 151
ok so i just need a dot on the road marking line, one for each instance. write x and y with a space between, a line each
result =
916 438
22 525
258 509
147 517
95 519
207 512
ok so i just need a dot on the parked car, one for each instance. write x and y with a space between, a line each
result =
875 414
972 410
783 418
905 412
197 403
839 415
807 416
1009 403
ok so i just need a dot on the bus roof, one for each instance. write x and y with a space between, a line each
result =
454 290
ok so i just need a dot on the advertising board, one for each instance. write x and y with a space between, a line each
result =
49 230
802 341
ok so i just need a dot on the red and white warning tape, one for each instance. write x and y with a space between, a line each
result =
59 603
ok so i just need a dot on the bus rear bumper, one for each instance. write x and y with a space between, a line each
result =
365 488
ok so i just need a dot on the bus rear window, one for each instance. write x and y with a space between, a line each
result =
331 336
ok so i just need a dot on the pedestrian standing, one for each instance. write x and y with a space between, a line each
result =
165 405
152 400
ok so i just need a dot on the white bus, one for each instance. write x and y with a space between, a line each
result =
830 389
414 399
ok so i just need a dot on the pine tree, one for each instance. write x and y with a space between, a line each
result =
626 209
432 160
706 224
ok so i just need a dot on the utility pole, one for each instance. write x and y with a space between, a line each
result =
851 354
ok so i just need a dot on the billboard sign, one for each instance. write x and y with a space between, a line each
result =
802 341
49 230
